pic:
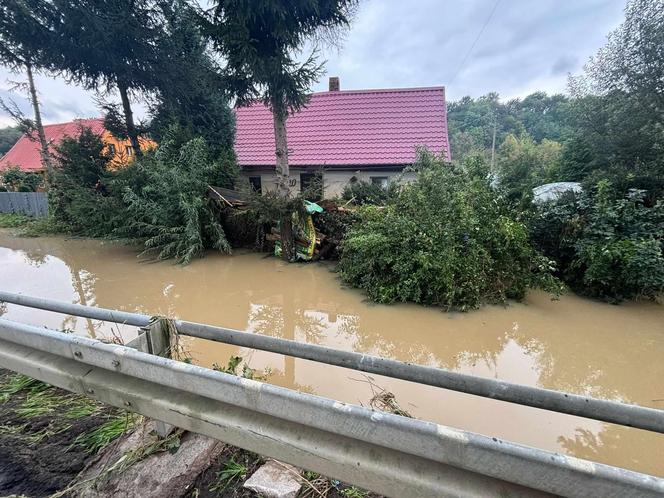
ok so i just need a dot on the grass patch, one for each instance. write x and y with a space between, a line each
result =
40 403
97 439
28 226
43 226
82 407
13 220
17 383
353 492
232 472
39 399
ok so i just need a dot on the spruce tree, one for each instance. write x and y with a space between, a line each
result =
259 41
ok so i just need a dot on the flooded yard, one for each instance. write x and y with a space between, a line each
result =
574 344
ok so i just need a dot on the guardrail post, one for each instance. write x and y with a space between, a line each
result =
157 342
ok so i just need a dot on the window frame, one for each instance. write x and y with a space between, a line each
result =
381 181
311 176
256 186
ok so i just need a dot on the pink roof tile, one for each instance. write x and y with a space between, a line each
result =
25 152
348 128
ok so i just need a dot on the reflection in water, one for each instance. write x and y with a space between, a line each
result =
576 345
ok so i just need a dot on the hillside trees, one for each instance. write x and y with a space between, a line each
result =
8 137
523 164
619 107
472 121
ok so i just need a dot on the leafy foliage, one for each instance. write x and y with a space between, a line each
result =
167 209
78 199
159 201
191 92
362 192
471 121
606 248
523 164
447 240
20 181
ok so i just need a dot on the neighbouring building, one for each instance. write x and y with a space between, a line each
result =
25 154
369 135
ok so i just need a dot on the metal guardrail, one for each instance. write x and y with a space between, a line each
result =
572 404
389 454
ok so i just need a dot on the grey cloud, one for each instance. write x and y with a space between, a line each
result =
529 45
564 65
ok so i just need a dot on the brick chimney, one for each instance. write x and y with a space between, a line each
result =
334 83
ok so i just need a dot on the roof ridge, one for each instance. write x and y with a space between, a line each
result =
384 90
73 121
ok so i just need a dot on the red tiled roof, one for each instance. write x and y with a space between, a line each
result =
25 152
346 128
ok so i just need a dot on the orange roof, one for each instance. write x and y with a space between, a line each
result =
25 152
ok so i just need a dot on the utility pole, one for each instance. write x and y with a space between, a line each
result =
493 143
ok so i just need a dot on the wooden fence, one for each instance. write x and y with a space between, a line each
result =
29 203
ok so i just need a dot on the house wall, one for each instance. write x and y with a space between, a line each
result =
334 181
121 158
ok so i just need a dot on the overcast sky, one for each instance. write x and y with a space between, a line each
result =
525 46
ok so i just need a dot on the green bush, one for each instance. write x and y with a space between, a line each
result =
446 239
13 220
20 181
78 197
606 248
166 203
159 201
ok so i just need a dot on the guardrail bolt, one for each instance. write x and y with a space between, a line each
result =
127 403
78 354
91 391
116 363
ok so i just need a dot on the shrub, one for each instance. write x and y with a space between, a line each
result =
160 201
447 240
166 203
20 181
606 248
78 197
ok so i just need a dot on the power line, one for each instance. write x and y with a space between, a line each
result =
470 50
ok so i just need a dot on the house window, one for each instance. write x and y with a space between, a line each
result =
381 181
111 149
129 150
311 185
255 182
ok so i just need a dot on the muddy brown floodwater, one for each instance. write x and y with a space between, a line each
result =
574 344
